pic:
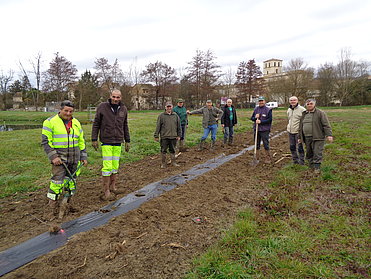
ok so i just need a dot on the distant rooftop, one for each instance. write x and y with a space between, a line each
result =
272 59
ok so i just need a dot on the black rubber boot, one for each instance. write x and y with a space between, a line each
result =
212 145
201 145
230 142
173 160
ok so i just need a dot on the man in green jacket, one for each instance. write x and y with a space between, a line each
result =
181 111
314 129
63 142
169 130
210 117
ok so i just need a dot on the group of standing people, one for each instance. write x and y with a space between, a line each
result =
64 144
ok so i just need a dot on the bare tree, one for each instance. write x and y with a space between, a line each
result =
228 81
60 75
36 69
299 79
162 76
135 78
203 74
5 79
104 71
347 71
326 77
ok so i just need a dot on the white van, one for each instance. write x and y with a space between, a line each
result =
272 104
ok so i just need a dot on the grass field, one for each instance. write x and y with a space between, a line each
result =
308 226
25 166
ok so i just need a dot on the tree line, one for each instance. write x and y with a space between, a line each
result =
344 83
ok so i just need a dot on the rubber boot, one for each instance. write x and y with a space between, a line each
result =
177 147
268 158
163 160
317 168
224 142
52 214
230 142
212 145
173 160
64 208
201 145
107 195
112 185
182 148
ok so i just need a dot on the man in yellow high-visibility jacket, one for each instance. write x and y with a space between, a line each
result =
64 144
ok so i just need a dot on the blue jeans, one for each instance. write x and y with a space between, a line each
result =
211 128
228 132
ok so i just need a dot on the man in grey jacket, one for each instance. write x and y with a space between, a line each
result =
169 129
210 118
294 113
313 130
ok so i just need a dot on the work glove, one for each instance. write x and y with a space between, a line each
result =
95 145
127 146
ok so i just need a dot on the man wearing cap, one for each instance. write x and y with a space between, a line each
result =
181 111
169 129
111 125
210 117
314 129
262 116
229 119
294 113
63 142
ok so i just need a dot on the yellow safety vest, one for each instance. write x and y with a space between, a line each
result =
55 130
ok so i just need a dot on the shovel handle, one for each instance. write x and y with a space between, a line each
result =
256 137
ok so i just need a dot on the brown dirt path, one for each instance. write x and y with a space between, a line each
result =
160 238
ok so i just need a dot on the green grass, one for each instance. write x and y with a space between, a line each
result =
307 226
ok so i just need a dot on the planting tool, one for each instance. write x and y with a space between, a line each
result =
70 176
255 161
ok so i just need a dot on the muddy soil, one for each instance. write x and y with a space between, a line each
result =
161 237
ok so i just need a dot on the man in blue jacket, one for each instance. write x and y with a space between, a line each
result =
262 116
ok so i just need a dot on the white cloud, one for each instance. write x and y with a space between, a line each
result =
171 31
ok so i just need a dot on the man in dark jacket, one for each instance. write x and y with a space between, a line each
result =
229 119
314 128
210 117
169 130
111 124
182 113
262 116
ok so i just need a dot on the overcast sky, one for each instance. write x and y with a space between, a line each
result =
171 31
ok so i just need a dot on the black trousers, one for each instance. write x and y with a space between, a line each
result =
263 136
297 150
168 144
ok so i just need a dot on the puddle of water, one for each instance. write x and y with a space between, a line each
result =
42 244
7 128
